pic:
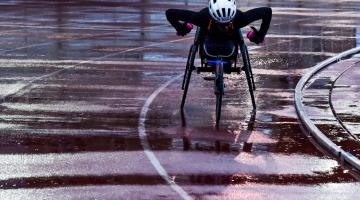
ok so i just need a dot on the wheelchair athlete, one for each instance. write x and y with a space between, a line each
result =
220 24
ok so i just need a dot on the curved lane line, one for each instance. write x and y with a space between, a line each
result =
337 151
145 143
141 128
332 106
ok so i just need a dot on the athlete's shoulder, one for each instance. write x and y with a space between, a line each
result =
238 13
204 12
203 17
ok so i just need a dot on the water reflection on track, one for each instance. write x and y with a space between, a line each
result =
74 134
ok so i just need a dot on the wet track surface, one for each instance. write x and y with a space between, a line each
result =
79 117
331 102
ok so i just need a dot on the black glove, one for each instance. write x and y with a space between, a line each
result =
183 29
258 37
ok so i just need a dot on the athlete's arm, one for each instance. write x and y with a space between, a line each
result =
174 16
244 18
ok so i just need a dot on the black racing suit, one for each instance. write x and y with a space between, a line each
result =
216 31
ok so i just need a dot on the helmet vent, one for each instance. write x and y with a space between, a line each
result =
222 11
218 12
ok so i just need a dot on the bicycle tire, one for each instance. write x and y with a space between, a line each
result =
188 74
248 73
251 91
186 68
219 91
218 108
250 68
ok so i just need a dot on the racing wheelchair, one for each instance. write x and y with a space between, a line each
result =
218 64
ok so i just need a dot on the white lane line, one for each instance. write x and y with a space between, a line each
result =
103 34
87 37
282 42
141 128
28 83
144 141
84 37
332 108
39 63
309 125
66 26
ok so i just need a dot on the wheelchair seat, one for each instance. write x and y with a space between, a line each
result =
213 49
218 48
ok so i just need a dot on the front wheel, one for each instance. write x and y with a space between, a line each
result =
218 108
219 90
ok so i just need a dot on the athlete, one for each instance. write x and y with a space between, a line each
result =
221 22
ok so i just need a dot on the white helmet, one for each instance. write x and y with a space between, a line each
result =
222 11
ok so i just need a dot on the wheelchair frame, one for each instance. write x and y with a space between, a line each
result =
218 74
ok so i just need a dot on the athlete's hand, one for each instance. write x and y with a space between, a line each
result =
184 29
255 36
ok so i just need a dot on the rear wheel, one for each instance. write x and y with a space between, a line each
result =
187 75
186 68
250 70
248 73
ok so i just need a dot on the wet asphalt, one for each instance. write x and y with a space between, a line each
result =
79 117
331 102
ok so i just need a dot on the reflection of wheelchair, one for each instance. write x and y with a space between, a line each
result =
218 64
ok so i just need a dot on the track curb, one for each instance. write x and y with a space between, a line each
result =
339 153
